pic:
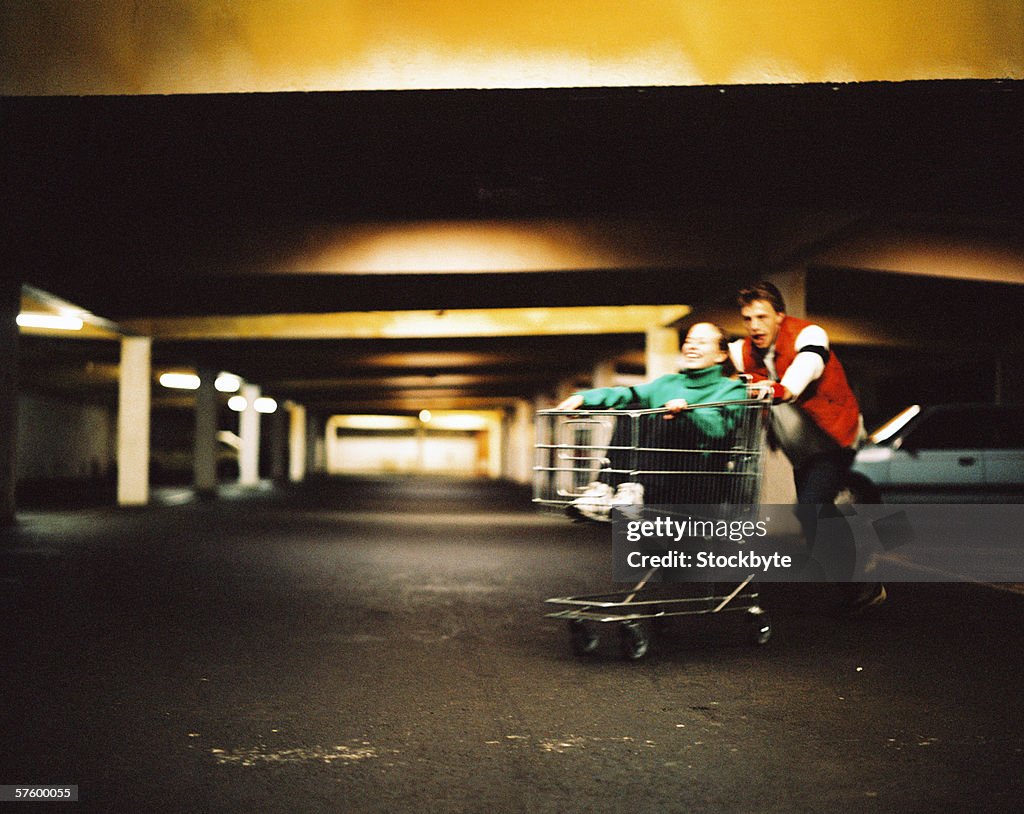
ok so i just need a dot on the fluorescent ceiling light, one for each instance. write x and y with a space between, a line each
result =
436 420
228 383
53 322
265 404
180 381
374 422
462 421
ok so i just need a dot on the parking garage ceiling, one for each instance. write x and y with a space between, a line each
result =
146 208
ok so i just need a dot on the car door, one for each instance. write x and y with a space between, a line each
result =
1004 461
941 455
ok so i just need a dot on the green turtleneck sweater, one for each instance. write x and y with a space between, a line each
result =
695 386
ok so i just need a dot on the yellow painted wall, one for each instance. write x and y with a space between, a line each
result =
203 46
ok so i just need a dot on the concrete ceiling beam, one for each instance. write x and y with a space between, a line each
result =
415 324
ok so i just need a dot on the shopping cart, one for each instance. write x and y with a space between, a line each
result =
675 463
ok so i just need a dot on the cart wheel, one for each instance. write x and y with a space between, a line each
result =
634 640
659 622
583 638
760 625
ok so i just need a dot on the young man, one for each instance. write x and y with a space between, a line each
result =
794 354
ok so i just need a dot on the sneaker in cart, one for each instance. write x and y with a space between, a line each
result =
629 499
594 504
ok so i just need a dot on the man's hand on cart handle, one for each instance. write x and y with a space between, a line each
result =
571 403
780 393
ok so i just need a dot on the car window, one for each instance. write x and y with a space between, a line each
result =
1008 428
953 429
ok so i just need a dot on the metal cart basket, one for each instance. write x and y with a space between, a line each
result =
590 462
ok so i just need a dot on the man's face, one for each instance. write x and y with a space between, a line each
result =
762 322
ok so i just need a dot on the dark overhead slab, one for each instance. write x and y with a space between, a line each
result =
109 193
186 205
940 310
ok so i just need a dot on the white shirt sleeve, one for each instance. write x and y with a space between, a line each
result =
736 352
805 367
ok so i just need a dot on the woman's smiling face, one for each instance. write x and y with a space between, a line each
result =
702 347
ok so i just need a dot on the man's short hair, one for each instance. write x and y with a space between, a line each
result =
762 290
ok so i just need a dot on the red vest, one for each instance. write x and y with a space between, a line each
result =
828 400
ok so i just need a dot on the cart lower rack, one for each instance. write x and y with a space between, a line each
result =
592 462
586 613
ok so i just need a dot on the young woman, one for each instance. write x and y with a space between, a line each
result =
705 377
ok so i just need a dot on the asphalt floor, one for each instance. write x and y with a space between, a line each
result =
380 645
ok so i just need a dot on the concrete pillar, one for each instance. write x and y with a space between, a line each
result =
297 443
316 443
421 443
10 304
490 445
204 455
313 427
249 432
278 444
520 444
793 287
508 445
563 389
661 353
133 421
604 374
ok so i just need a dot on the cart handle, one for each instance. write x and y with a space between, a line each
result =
582 420
604 460
759 400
